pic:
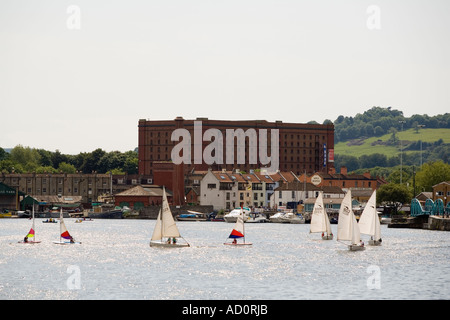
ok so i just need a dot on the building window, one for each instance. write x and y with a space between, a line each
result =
211 185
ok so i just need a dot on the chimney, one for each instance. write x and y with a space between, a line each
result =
344 170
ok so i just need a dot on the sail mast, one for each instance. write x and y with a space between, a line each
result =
34 230
243 230
60 224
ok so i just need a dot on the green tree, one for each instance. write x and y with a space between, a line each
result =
394 195
431 174
3 154
66 168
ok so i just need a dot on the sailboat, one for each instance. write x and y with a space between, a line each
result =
319 219
31 236
238 232
369 223
348 229
166 233
65 237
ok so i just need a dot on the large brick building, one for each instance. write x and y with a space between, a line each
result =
302 147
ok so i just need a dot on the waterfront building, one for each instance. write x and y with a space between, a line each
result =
302 147
293 193
343 180
442 191
89 187
227 189
141 196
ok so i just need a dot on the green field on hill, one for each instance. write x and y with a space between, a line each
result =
373 145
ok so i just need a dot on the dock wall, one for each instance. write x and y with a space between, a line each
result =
152 211
421 222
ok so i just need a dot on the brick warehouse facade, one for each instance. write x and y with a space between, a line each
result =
302 147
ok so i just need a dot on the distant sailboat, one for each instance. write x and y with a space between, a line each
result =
320 223
369 223
31 236
238 232
348 229
65 237
166 233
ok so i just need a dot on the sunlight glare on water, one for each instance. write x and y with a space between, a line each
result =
285 262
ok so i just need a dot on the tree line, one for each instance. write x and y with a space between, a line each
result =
378 121
26 160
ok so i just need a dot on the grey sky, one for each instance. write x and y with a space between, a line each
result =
80 89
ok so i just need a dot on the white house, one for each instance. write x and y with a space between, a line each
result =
227 190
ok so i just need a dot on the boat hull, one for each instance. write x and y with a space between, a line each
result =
29 242
238 244
113 214
65 242
374 242
354 247
190 219
156 244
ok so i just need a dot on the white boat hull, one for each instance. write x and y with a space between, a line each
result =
65 242
293 220
237 244
158 244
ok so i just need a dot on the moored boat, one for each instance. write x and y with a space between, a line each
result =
235 213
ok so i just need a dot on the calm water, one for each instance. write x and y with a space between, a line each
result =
115 261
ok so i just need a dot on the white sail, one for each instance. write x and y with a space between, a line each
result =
165 227
169 228
157 232
64 233
369 223
238 229
348 229
319 218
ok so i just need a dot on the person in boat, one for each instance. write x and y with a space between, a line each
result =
361 243
174 240
234 241
168 241
72 240
25 239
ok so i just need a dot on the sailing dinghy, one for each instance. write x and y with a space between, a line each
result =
319 219
65 237
31 236
348 229
166 234
238 233
369 223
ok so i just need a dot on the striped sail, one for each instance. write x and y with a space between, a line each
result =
63 229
